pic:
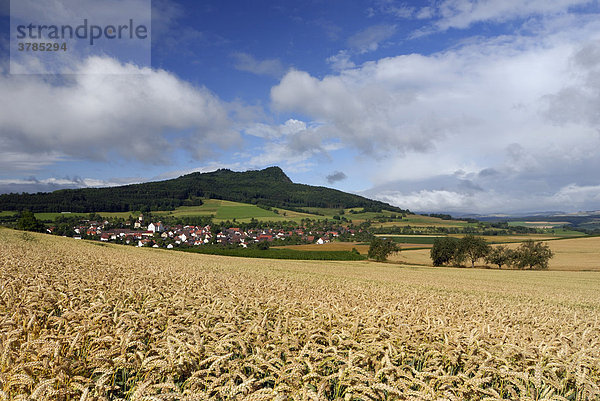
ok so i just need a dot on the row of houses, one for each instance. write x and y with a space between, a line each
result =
157 233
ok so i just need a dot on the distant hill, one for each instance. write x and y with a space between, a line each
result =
268 187
589 220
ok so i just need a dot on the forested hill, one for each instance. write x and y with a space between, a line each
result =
269 187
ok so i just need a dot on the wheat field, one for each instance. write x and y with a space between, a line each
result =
573 254
90 321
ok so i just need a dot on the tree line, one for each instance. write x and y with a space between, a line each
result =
470 249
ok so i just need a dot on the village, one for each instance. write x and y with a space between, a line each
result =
159 235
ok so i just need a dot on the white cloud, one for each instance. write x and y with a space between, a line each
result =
581 196
546 178
291 144
579 101
369 39
393 8
33 185
290 127
25 161
463 13
570 198
341 61
98 113
247 62
522 105
430 201
485 94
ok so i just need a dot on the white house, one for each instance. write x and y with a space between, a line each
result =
156 228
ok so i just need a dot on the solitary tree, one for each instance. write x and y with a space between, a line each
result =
381 248
473 248
500 256
534 255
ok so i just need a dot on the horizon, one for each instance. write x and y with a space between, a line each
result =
456 215
455 107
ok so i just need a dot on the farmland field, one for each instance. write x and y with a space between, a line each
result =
82 320
54 216
539 224
226 210
220 209
569 254
425 221
277 253
331 246
502 239
423 241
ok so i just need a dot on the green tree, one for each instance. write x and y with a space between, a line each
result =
65 230
263 245
381 248
500 255
473 248
28 222
534 255
444 251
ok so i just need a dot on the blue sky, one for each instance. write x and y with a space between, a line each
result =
447 105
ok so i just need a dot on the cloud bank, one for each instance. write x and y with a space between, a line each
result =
517 115
99 114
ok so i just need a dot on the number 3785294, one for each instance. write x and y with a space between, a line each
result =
41 47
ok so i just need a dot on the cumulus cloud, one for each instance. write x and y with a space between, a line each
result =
341 61
99 112
517 114
411 102
266 131
247 62
336 177
291 143
486 94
